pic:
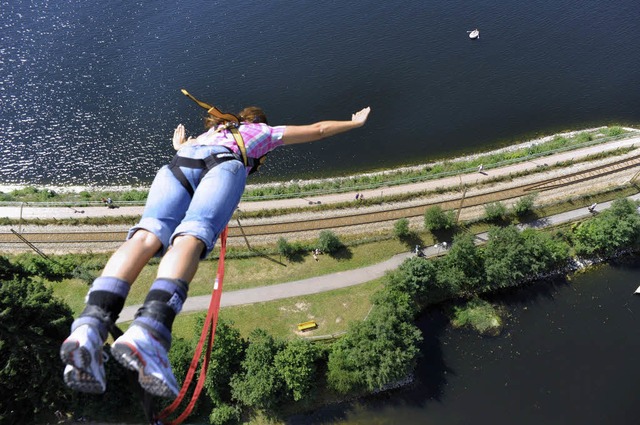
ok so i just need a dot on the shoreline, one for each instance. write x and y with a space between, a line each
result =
5 188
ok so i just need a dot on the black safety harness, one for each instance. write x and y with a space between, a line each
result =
232 124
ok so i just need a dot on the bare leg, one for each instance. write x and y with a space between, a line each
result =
129 260
181 261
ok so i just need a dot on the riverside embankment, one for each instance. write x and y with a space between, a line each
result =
453 192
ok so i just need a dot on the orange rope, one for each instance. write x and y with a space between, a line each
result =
208 333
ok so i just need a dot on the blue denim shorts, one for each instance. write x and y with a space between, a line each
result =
170 211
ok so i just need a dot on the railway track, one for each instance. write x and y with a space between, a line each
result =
363 218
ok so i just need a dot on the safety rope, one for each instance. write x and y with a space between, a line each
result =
208 334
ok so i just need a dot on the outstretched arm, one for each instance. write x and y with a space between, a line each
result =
309 133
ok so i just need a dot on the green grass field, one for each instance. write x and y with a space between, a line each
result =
332 311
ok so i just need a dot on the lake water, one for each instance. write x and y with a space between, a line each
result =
568 355
89 90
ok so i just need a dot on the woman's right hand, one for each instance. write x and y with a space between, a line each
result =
178 137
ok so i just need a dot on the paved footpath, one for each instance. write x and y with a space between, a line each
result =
345 279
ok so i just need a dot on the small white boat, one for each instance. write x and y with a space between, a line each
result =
474 34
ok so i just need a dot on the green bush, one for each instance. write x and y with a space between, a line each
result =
478 314
460 270
285 248
614 131
328 242
583 137
401 228
437 219
495 211
524 205
134 195
511 256
225 414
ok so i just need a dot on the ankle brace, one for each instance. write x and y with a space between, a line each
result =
104 302
163 302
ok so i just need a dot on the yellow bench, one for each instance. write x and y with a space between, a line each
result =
305 326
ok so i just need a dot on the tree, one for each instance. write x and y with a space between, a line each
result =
225 414
257 385
505 257
297 365
544 251
611 230
33 324
226 357
462 268
375 352
437 219
328 242
512 256
415 277
401 228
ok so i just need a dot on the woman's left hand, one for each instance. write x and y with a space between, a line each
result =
360 117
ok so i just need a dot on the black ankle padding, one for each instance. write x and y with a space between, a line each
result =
183 284
100 314
159 311
158 295
111 303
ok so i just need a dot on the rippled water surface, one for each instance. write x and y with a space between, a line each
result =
89 90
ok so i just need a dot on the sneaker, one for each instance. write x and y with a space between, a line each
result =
140 351
82 353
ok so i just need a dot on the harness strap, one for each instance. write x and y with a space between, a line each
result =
208 333
206 164
254 163
233 122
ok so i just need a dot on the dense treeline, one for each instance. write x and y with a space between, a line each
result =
263 373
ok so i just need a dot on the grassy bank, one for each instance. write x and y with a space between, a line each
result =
296 189
333 311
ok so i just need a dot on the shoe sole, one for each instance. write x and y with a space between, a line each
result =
128 356
79 377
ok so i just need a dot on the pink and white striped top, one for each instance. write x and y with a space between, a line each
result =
259 139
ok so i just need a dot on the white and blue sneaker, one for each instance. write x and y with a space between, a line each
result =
82 353
140 351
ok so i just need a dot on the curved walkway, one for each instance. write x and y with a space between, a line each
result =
345 279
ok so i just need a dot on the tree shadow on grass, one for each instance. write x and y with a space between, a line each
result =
273 260
528 216
344 253
411 240
295 257
444 235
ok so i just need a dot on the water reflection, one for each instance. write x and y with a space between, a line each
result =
90 90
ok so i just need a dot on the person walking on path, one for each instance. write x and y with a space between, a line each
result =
189 204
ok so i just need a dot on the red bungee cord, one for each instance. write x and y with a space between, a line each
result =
208 333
